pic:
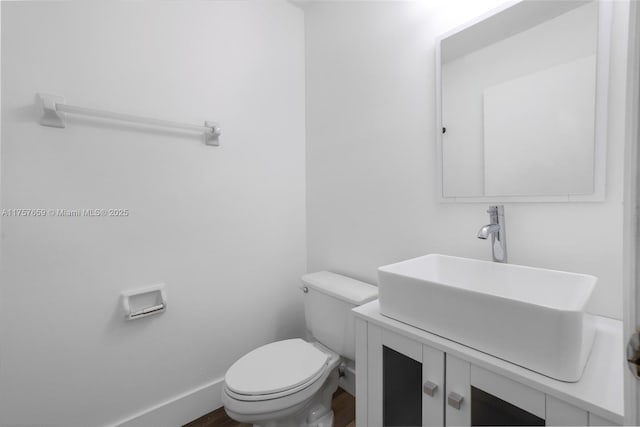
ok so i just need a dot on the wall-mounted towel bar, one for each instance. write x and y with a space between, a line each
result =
53 107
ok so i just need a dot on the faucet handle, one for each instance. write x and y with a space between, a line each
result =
496 210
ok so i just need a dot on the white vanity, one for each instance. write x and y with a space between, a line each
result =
407 375
442 367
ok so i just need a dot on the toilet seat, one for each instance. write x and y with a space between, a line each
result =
276 370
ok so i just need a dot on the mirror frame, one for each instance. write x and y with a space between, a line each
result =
603 53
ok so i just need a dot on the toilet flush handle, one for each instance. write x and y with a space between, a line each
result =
305 289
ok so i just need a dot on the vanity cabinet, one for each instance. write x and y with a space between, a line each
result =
489 399
402 380
405 381
412 384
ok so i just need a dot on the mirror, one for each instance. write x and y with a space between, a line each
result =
523 104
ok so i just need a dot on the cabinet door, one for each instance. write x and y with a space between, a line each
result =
477 397
497 400
405 381
401 382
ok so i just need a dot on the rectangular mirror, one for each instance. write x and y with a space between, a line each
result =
522 104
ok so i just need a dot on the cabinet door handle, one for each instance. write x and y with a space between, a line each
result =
430 388
454 400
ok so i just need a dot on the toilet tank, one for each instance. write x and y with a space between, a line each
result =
328 300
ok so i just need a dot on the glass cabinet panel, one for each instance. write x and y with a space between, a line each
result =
402 389
488 410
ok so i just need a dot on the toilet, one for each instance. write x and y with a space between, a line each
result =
290 383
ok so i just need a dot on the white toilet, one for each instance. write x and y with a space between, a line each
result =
291 382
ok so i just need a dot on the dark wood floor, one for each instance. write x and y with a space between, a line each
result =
344 414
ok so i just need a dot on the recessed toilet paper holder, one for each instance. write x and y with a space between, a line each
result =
139 303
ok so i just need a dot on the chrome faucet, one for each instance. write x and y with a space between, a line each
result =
496 229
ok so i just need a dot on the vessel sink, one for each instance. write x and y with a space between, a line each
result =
528 316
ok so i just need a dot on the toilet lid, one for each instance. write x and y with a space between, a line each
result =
276 367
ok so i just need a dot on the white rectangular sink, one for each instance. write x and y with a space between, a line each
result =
532 317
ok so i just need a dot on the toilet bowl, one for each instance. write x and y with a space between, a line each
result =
286 383
290 383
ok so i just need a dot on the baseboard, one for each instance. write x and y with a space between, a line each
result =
180 409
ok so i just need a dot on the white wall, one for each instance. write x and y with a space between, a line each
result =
224 228
371 192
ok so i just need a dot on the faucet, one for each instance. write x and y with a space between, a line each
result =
496 229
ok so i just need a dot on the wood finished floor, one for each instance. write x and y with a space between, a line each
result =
344 414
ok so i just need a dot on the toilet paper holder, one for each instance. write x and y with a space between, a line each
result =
139 303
